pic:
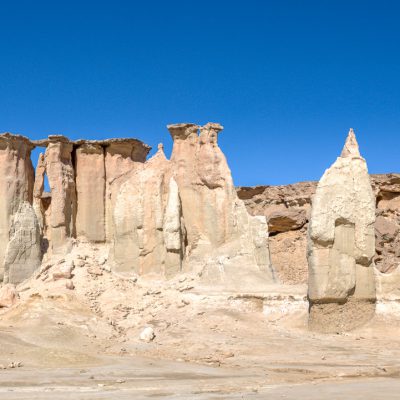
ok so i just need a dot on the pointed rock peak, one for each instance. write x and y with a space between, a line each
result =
159 155
350 148
160 148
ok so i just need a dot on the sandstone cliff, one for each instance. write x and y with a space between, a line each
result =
157 217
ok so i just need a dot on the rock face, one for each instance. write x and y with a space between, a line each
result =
341 245
23 255
289 247
84 181
191 204
90 189
208 196
60 172
17 242
138 218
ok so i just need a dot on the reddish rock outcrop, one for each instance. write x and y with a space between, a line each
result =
288 248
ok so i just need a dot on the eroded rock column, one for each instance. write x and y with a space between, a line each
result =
341 245
122 156
19 242
60 172
90 189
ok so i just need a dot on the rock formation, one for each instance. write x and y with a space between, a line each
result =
60 172
285 206
183 215
90 190
341 245
84 181
23 255
19 244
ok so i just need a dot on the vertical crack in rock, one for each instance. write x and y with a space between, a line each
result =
341 245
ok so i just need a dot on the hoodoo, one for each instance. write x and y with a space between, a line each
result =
341 245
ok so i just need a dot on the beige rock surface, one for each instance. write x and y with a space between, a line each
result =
8 295
23 254
139 214
183 214
38 189
341 245
16 185
61 176
121 158
228 251
90 189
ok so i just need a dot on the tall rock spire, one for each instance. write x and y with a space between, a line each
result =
341 245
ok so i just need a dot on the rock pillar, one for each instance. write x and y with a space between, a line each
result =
341 245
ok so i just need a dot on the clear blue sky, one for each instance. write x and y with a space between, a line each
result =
286 78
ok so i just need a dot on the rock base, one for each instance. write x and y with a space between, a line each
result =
336 317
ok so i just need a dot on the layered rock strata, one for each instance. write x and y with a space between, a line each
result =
19 229
341 245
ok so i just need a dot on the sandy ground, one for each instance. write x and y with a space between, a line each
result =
84 343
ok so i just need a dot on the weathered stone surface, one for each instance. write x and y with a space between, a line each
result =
90 189
23 255
288 249
139 217
60 172
286 220
217 251
341 245
38 189
16 185
174 231
121 158
184 215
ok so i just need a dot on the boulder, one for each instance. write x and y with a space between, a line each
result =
147 335
8 295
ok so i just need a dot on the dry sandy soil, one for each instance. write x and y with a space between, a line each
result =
83 343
